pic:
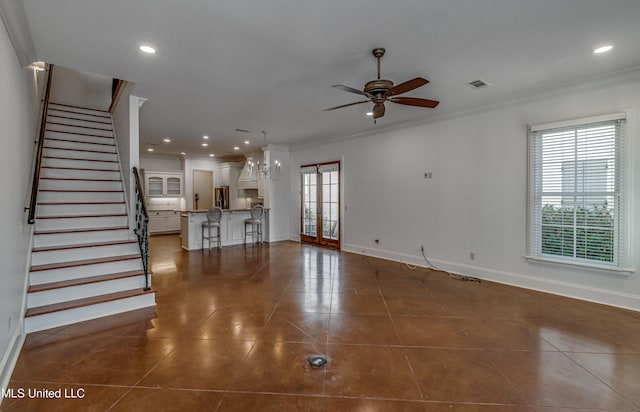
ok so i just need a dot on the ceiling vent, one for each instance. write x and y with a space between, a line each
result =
478 84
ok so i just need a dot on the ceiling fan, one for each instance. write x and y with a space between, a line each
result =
381 90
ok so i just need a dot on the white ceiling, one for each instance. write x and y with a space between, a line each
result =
269 65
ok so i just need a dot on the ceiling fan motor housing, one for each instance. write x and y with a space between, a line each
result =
378 88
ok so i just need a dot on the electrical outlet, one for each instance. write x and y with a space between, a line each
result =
428 175
472 255
377 241
421 248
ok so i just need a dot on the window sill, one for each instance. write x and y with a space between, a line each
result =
619 271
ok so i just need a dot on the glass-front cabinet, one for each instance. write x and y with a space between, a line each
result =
164 184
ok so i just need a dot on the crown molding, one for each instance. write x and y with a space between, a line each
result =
15 21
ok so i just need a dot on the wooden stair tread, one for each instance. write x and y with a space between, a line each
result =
80 159
80 179
84 245
81 191
78 168
83 281
55 139
78 203
72 304
85 262
81 216
82 127
79 107
82 230
70 111
78 133
78 150
76 119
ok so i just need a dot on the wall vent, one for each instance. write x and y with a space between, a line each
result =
478 84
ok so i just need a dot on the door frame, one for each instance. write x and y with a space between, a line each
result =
319 239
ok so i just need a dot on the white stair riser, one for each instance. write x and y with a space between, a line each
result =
49 184
70 255
80 222
80 164
58 197
61 239
72 154
69 112
79 209
79 130
67 317
94 124
48 297
80 146
79 174
76 272
79 137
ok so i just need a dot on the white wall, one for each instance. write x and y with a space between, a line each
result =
277 193
477 198
160 162
77 88
126 114
18 131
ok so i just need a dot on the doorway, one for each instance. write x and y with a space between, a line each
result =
320 204
202 189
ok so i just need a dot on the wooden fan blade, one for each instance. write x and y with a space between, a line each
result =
345 105
407 86
378 110
351 90
414 101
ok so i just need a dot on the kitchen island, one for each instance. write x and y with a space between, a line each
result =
231 227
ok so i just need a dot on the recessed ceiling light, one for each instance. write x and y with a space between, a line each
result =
150 149
205 144
182 153
369 113
603 49
166 140
247 142
236 148
147 49
211 155
205 137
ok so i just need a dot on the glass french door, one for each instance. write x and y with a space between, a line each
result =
320 204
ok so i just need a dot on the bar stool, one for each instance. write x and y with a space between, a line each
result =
214 215
257 212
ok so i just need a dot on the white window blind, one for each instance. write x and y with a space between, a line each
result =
576 206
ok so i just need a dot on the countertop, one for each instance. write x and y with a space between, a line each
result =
223 210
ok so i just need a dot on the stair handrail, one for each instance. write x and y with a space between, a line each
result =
31 219
142 228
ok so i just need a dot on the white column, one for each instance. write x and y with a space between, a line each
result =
276 193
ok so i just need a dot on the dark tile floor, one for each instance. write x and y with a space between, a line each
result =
232 331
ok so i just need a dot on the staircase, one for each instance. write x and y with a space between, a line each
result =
85 264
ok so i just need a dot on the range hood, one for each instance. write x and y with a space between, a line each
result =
245 181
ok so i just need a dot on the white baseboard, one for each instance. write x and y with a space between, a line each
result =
11 355
572 290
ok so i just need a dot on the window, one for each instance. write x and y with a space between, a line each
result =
576 192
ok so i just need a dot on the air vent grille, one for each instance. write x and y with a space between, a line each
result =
478 84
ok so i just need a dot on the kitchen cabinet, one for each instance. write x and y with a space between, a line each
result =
164 184
164 221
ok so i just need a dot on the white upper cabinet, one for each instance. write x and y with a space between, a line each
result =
164 184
